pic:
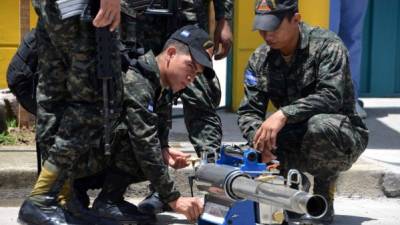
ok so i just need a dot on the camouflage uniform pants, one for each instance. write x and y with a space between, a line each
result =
69 102
324 145
124 158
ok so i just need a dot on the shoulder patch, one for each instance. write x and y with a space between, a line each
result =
250 78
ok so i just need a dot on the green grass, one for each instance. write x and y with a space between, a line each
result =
11 123
5 137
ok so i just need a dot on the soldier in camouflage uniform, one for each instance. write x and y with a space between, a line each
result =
136 144
201 99
137 31
304 72
69 104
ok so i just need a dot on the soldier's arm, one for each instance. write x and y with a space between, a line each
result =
143 131
200 102
222 35
223 9
252 109
164 112
331 75
109 14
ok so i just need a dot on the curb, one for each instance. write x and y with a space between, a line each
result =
366 179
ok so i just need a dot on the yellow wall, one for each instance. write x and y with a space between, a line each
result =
315 12
33 17
9 34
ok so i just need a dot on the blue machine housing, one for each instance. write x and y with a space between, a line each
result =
240 212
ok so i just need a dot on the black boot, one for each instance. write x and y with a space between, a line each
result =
111 204
325 188
33 214
152 205
325 220
75 207
83 185
306 184
42 207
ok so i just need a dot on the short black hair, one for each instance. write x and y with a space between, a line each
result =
290 14
180 47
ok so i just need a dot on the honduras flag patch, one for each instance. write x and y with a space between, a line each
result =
150 107
185 33
250 78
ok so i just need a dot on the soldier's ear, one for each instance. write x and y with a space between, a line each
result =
297 17
171 52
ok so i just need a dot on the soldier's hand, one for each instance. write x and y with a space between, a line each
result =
109 14
174 158
222 39
265 138
191 207
267 156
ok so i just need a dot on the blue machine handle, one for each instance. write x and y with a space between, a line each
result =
246 160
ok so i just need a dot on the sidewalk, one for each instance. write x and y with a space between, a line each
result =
378 168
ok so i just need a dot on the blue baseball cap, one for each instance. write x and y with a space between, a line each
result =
270 13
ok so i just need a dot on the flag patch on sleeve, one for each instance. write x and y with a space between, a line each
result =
250 78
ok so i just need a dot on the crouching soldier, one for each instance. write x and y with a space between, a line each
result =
304 72
137 154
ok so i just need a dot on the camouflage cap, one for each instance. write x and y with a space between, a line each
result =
270 13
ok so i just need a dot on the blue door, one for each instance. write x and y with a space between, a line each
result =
380 70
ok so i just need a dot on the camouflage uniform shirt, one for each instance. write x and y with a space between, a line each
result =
142 95
316 81
201 98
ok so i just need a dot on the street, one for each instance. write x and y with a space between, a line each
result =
379 211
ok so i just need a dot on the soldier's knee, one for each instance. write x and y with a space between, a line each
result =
331 140
321 124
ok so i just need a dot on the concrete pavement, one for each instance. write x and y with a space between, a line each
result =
349 211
